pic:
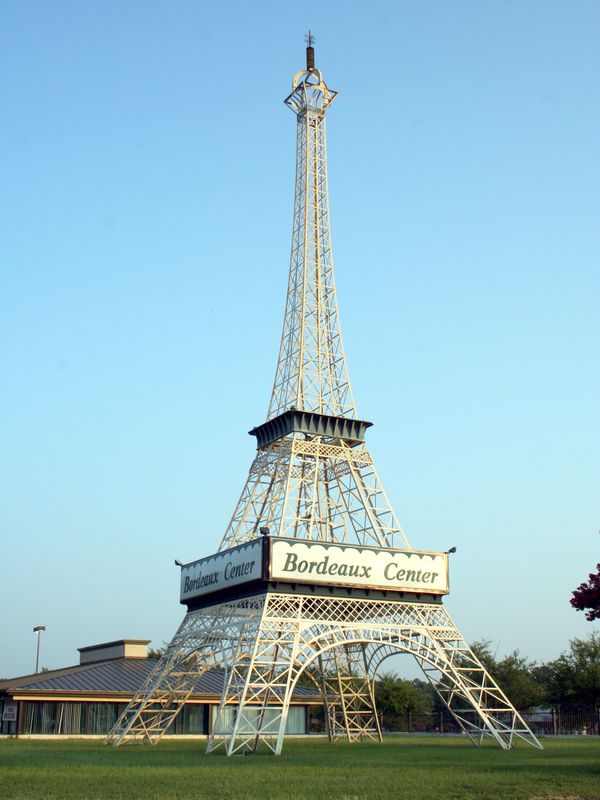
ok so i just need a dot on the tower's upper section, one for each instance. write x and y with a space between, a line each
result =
311 370
309 90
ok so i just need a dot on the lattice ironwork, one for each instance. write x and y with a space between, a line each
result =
322 488
348 694
313 487
317 490
266 643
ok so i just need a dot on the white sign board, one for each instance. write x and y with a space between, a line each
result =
297 561
222 571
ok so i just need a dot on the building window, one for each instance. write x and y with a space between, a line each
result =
40 718
295 724
70 719
191 720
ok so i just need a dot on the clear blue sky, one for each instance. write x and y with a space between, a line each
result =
146 202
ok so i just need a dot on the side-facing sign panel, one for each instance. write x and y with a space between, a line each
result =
222 571
368 567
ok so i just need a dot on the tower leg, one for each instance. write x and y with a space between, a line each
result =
349 696
205 640
468 691
259 684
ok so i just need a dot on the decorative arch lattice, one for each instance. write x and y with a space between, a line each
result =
264 645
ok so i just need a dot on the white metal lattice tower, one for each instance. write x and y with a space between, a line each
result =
313 485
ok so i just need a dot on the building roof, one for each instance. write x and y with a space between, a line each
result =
119 676
117 642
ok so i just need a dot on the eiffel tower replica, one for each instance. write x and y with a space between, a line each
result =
314 582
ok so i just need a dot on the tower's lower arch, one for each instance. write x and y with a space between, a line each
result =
265 643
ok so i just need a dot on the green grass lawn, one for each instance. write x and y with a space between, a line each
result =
423 768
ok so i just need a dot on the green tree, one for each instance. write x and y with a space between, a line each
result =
516 676
573 679
395 696
156 653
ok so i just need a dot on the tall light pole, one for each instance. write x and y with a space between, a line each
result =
38 629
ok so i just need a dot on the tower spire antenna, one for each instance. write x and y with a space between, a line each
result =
310 51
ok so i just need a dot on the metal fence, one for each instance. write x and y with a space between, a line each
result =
542 723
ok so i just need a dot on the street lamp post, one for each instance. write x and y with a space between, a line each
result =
38 629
